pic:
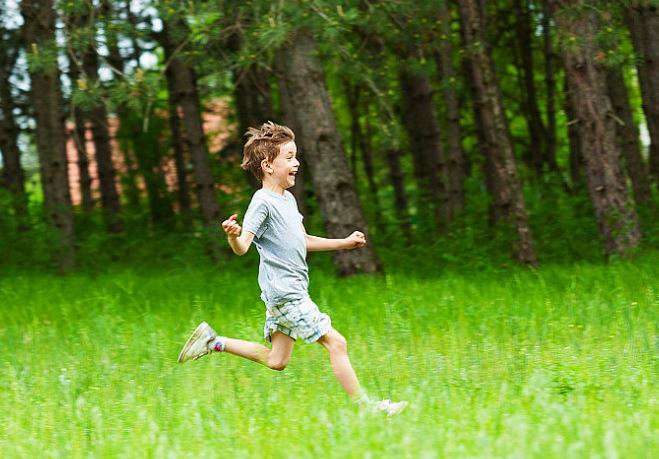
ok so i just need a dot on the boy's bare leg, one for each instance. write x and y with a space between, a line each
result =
337 347
276 358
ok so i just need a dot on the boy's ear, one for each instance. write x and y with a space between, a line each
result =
265 165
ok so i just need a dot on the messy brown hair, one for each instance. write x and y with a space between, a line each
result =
263 143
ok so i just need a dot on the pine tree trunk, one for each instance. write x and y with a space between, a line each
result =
628 135
79 135
253 106
614 210
643 20
456 165
178 145
397 178
550 85
46 96
508 197
531 110
576 157
319 139
129 179
13 177
288 114
366 147
360 143
420 122
185 87
98 118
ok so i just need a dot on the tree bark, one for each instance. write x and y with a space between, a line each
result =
628 135
98 118
319 139
129 180
397 178
508 197
79 135
254 107
13 176
420 122
615 213
576 157
456 164
643 21
550 86
288 114
532 111
45 91
178 145
185 87
366 147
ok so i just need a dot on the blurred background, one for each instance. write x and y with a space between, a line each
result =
502 157
465 133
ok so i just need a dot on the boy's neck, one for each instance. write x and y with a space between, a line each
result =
273 187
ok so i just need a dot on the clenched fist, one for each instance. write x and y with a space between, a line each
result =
231 226
355 240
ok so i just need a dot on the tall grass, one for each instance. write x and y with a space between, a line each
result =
555 362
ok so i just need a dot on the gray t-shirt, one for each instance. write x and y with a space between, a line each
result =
280 240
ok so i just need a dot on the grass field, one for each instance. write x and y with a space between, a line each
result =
558 362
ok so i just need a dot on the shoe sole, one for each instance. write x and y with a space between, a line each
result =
193 337
402 407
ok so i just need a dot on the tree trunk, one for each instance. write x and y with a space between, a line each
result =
45 91
352 93
129 179
576 157
79 135
615 213
319 139
185 87
456 165
290 120
98 118
13 177
508 197
178 145
420 122
532 111
366 147
396 177
550 85
643 20
628 135
253 106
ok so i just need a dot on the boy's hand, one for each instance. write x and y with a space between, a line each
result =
355 240
231 226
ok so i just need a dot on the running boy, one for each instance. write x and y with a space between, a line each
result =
273 223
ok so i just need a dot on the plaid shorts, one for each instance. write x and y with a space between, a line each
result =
297 319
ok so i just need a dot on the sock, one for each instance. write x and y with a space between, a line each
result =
362 398
217 344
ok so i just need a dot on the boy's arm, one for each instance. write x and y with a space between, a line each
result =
317 244
238 240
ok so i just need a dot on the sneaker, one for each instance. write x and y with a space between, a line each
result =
197 344
389 407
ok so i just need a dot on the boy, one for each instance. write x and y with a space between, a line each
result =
273 223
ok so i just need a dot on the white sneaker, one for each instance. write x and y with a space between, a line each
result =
389 407
197 344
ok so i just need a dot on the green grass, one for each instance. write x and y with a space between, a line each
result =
562 361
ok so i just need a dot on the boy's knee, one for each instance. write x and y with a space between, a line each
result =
338 344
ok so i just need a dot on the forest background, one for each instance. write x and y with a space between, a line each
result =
480 145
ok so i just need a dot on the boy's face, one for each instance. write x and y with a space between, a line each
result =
283 168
